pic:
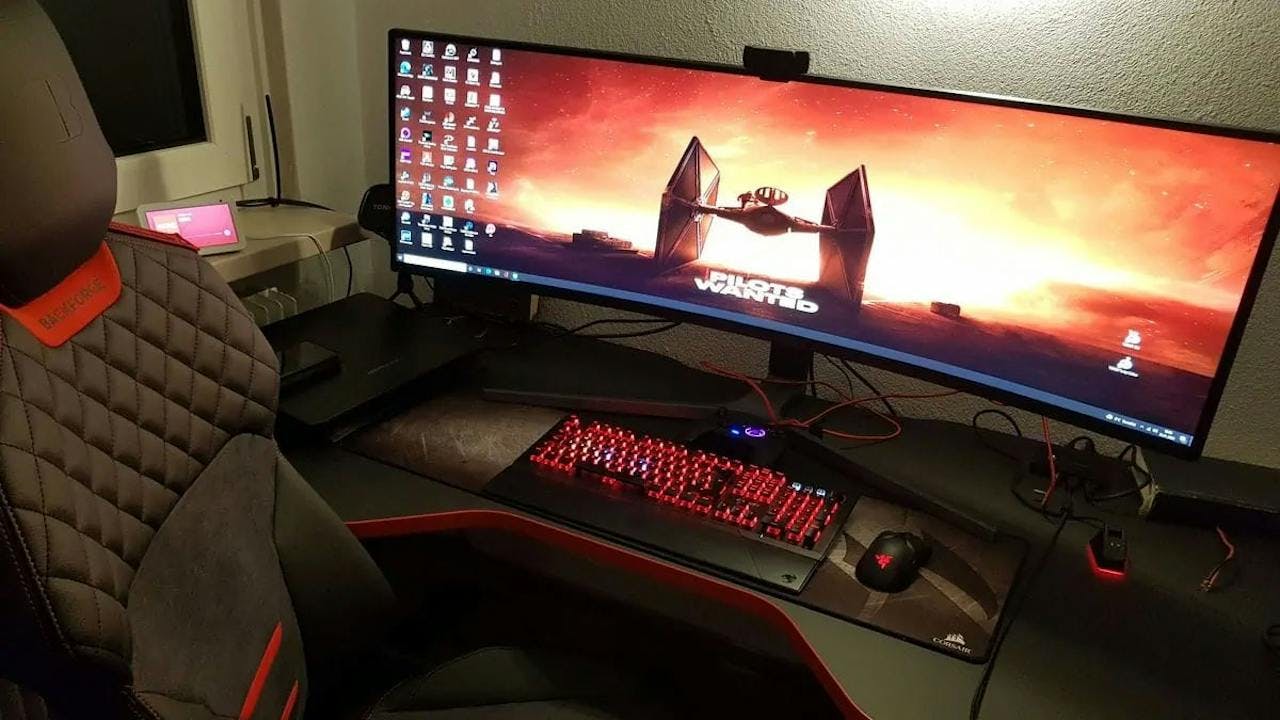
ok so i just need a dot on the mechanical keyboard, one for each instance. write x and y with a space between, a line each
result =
751 520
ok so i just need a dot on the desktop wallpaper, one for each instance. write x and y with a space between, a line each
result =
1094 259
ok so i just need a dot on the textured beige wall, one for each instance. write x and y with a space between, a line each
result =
1203 60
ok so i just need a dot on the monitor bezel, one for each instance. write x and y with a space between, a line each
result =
1229 351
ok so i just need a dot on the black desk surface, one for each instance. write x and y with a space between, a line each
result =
1151 645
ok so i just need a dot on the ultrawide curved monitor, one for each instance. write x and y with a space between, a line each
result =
1093 267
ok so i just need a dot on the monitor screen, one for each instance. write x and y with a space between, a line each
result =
1089 266
204 226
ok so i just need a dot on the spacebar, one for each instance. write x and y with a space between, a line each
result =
629 516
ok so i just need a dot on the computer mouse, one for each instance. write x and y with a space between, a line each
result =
891 563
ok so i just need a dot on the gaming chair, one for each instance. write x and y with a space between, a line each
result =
159 558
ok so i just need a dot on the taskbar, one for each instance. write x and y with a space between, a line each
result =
1155 431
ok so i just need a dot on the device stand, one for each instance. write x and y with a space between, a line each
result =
404 286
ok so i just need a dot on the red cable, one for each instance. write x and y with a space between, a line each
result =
1211 582
1053 467
754 383
1231 549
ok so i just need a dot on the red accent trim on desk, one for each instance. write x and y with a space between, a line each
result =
260 677
599 551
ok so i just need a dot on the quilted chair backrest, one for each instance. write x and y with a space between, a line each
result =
137 486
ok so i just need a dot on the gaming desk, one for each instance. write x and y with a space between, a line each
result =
1150 645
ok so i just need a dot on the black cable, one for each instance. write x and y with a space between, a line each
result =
278 199
874 390
638 333
351 269
977 430
1132 464
1011 612
848 379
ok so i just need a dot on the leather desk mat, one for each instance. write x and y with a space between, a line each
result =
953 606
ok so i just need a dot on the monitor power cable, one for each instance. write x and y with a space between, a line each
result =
1016 603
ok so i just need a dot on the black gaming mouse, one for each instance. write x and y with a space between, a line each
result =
890 564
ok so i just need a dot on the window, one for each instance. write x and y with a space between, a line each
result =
171 82
138 64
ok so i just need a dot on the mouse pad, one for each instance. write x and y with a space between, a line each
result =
952 607
954 604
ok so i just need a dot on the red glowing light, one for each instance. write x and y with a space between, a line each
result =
1104 573
883 560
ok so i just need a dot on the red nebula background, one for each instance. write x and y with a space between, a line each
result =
1078 226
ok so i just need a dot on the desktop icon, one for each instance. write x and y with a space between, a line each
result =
406 91
406 217
426 200
473 76
493 145
450 121
406 177
1132 340
491 188
426 137
428 48
429 93
495 79
404 46
446 243
468 227
469 165
406 113
493 167
471 142
495 56
447 202
405 196
494 126
406 133
446 221
470 184
495 103
450 96
406 68
473 55
406 155
450 73
406 237
451 50
427 117
425 222
427 158
471 123
448 181
446 143
468 245
426 180
447 163
473 98
469 205
490 229
428 71
426 239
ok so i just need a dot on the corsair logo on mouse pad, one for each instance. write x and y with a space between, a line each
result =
954 641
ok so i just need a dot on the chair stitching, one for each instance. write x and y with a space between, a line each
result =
86 486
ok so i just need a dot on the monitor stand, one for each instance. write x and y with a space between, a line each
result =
579 374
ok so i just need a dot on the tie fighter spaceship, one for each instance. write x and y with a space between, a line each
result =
689 206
